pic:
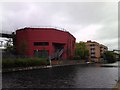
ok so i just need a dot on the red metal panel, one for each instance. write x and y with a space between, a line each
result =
31 35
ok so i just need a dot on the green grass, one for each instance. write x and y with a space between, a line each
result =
23 62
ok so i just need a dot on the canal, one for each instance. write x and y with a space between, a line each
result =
74 76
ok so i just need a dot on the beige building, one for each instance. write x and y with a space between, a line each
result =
95 50
103 48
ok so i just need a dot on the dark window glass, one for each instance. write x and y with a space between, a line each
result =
41 43
41 53
92 48
92 45
92 56
92 52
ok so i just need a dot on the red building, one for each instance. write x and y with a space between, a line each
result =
44 42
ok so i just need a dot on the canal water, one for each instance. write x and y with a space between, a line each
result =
74 76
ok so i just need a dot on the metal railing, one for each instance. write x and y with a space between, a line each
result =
61 52
57 54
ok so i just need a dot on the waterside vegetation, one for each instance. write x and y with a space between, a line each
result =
23 62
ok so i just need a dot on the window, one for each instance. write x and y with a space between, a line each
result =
92 48
92 53
41 53
92 44
41 43
92 56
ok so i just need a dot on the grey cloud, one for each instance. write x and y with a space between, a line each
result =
109 31
86 13
71 16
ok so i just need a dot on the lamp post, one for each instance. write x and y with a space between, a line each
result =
50 60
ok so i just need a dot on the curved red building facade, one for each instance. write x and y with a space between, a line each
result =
44 42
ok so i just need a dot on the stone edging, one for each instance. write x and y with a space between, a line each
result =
34 67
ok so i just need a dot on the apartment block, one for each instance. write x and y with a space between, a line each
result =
95 50
103 48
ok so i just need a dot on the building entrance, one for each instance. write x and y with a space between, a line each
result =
59 48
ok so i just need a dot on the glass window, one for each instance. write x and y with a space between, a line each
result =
92 48
92 56
41 43
93 53
40 53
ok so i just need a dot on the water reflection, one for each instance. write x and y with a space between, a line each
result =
79 76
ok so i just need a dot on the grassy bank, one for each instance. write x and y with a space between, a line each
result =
23 62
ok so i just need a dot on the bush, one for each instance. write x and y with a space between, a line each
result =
77 58
109 56
23 62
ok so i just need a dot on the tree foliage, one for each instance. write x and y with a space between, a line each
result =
23 62
119 57
9 47
109 56
81 50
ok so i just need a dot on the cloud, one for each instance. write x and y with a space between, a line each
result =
88 32
85 20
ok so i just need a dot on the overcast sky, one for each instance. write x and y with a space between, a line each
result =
96 21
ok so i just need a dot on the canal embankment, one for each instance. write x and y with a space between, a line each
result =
54 63
73 76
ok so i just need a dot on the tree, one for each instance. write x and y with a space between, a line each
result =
119 57
81 50
9 47
109 56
